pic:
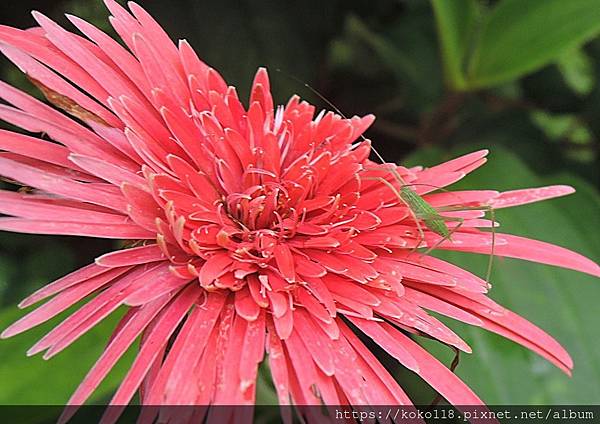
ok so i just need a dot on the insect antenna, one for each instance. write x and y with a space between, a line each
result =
331 105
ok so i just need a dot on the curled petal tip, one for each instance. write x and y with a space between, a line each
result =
32 351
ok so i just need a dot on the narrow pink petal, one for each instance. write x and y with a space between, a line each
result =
444 381
113 231
261 91
88 315
41 49
245 306
65 282
253 351
35 148
205 371
530 195
70 173
312 305
142 144
85 192
315 342
321 292
425 323
116 138
434 182
56 305
284 324
345 362
105 75
229 389
461 197
151 376
107 171
462 278
214 267
160 74
192 65
85 326
121 57
38 117
394 347
46 115
173 381
161 284
56 83
303 366
384 376
133 325
536 251
350 290
166 324
132 256
562 361
457 164
359 308
440 306
147 123
327 389
127 24
142 207
277 364
32 207
159 38
185 133
279 303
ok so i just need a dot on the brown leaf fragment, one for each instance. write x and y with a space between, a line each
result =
66 104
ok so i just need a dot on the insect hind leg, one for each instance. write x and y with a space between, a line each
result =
446 237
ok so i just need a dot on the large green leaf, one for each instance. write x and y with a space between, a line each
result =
520 36
562 302
456 22
34 381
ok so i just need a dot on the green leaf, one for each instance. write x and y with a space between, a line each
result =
577 68
456 22
519 37
34 381
562 302
560 126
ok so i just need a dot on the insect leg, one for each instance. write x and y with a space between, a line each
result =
410 211
492 212
448 236
488 273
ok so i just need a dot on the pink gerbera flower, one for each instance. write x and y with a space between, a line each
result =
257 229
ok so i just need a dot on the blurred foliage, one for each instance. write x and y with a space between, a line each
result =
40 382
443 77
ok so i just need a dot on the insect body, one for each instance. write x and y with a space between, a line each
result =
424 211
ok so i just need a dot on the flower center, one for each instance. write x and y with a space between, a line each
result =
260 213
259 207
